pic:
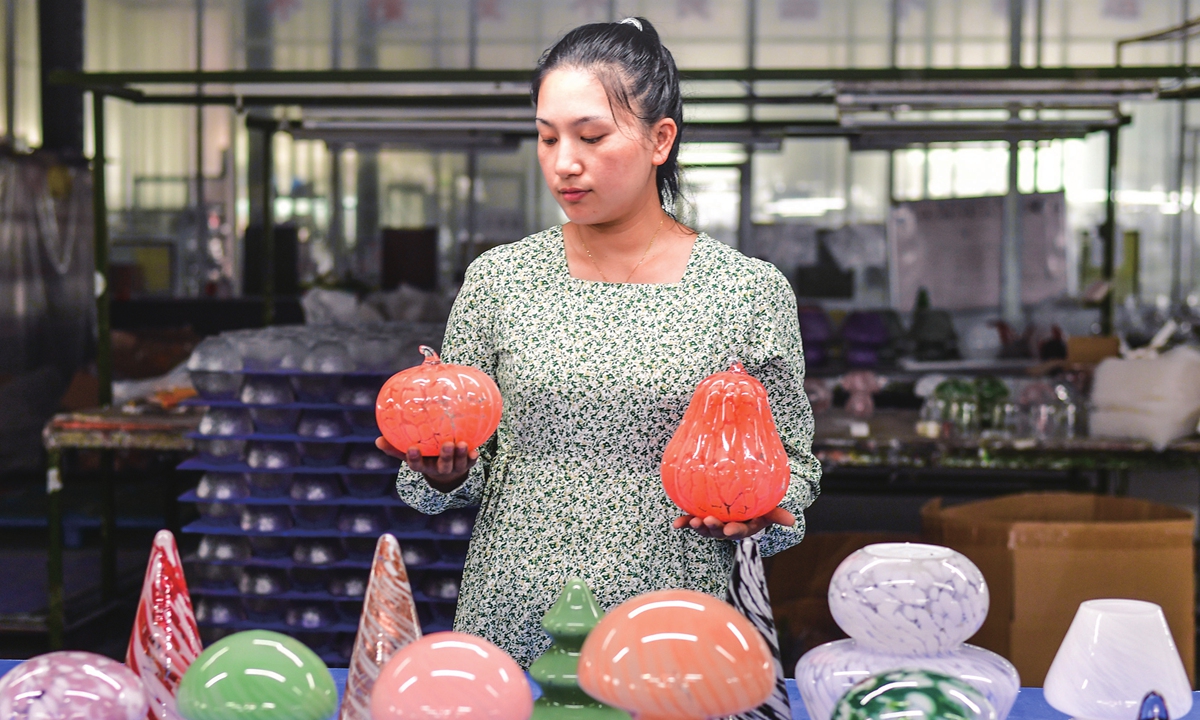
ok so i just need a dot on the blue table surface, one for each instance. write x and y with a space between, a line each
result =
1030 704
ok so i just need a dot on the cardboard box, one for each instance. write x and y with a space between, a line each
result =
1044 553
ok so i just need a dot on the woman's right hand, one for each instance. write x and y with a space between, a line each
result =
445 472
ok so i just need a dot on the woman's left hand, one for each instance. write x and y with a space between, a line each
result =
714 528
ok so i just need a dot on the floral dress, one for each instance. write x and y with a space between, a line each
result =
595 379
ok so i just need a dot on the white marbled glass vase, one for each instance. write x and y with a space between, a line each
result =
1115 652
905 606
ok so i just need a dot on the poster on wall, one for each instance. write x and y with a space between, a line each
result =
952 247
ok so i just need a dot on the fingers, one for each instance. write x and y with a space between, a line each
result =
462 458
445 459
414 460
388 449
779 516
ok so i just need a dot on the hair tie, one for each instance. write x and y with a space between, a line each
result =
632 21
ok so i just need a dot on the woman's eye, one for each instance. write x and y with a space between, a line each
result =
592 140
548 141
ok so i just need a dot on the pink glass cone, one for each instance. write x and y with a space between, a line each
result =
389 623
165 640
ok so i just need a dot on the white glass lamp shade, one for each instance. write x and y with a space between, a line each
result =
908 598
1115 652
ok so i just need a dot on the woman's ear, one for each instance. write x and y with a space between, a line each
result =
663 134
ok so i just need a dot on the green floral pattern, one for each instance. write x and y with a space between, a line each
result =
595 378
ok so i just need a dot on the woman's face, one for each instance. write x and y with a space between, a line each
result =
600 168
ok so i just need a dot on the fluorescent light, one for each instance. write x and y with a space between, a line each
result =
804 207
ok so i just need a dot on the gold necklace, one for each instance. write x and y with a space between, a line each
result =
635 267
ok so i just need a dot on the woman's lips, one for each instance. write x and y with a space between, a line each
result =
572 194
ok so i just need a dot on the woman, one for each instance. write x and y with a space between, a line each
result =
597 333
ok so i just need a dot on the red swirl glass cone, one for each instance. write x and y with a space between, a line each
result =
165 639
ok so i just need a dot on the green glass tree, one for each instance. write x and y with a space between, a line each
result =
568 622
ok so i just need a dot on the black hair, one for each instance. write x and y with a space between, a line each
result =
638 74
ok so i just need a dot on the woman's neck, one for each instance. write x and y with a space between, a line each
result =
623 236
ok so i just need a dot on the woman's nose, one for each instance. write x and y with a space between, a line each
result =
567 162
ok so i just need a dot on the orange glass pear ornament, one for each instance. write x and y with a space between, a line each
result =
726 459
438 402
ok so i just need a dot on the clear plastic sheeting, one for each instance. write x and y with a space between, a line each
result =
953 249
47 306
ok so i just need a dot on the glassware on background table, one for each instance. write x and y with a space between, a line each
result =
270 546
315 517
270 485
458 523
362 521
222 421
220 451
369 457
309 578
363 485
215 368
271 456
323 425
264 390
219 611
348 584
315 488
327 361
310 616
221 486
225 548
266 519
317 551
208 575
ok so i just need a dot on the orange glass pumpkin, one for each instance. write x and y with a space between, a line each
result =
434 402
676 654
726 459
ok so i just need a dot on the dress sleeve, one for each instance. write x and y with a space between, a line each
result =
775 356
469 340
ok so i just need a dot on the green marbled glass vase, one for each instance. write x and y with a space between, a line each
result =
568 622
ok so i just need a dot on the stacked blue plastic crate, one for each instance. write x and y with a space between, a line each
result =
294 493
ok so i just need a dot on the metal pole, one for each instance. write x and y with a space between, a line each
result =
472 172
1177 281
751 36
1189 262
55 609
268 226
201 202
473 35
1016 27
1010 264
746 171
1040 31
612 10
10 71
894 33
335 36
336 211
100 241
1108 233
108 526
